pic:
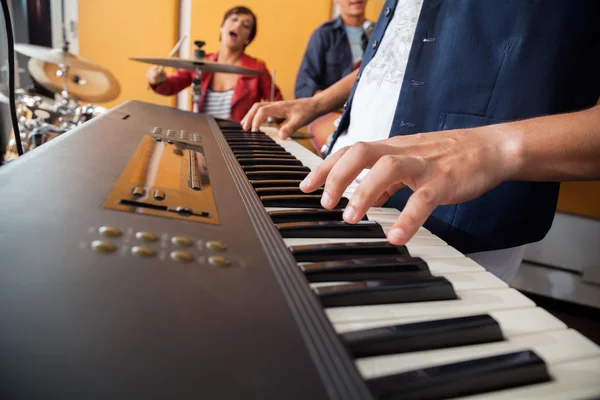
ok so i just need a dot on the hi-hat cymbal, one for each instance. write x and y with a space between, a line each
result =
94 86
193 63
57 56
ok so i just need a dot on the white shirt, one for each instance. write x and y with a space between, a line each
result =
378 90
218 104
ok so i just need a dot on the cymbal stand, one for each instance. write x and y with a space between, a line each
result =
196 90
197 81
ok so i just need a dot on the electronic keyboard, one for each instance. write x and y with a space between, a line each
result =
153 252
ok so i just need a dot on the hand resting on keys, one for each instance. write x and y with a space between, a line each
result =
455 166
300 112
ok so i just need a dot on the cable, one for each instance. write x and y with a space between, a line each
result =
11 76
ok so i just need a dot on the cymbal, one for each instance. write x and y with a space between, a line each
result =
57 56
94 86
192 63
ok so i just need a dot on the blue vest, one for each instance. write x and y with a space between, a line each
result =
480 62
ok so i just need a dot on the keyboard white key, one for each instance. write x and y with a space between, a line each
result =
514 322
469 302
461 281
552 347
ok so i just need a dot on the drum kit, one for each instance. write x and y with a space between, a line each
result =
74 78
77 79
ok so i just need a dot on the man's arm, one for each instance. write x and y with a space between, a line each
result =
310 74
562 147
451 167
301 112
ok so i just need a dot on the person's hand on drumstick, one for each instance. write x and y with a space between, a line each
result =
156 75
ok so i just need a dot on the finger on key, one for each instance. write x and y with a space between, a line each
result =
247 121
418 208
266 111
318 175
388 172
344 172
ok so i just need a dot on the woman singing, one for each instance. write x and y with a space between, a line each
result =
228 96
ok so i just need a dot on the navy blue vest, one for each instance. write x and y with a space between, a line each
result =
480 62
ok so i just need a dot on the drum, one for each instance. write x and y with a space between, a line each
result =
42 119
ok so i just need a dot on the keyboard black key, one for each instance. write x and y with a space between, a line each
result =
465 378
346 251
331 229
242 140
234 130
275 183
264 147
268 161
279 191
271 175
299 201
312 214
419 336
259 168
362 269
254 145
363 293
263 154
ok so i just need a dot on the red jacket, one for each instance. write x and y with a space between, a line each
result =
248 90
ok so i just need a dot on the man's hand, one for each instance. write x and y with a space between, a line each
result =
155 75
447 167
298 112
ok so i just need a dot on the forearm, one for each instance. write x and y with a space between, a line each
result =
554 148
334 97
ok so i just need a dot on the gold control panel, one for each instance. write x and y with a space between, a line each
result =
166 177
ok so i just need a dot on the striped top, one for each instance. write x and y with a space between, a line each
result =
218 104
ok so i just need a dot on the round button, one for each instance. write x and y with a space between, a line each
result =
109 231
146 236
215 245
101 246
181 256
142 251
181 241
218 261
388 11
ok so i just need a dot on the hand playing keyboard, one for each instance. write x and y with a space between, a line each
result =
441 168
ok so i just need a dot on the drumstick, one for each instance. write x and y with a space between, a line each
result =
171 54
174 50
